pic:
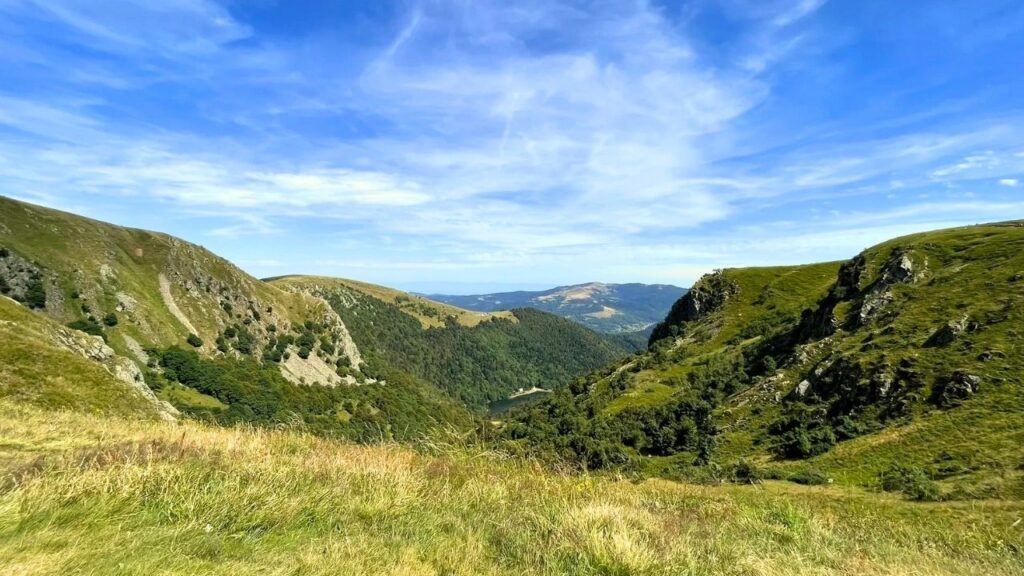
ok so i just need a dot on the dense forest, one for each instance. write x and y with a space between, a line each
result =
232 391
479 364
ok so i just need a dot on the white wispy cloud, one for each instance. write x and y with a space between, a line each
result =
537 134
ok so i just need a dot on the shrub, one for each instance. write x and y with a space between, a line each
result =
4 253
747 473
245 341
35 294
194 341
110 319
89 327
911 481
5 288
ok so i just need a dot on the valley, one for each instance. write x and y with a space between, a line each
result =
162 409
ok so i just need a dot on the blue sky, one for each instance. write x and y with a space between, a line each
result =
474 145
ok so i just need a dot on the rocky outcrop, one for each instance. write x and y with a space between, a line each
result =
868 301
709 294
958 387
821 322
898 269
802 389
93 348
948 333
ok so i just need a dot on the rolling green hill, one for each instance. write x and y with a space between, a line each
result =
475 357
899 367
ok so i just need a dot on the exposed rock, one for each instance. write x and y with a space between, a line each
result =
948 333
125 303
802 389
172 306
95 349
821 321
991 354
16 274
898 269
872 306
957 388
312 370
882 385
709 294
135 348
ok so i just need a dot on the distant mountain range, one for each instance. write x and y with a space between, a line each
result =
607 308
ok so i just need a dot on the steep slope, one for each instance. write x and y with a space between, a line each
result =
211 339
475 357
606 308
144 289
52 366
907 355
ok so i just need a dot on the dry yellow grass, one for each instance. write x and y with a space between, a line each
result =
86 494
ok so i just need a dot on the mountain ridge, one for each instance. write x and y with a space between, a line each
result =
605 307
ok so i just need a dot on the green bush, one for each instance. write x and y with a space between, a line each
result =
194 341
911 481
110 320
35 294
746 473
89 327
245 342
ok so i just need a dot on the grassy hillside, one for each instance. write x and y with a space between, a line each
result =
475 359
47 365
210 339
906 356
92 495
143 289
605 308
430 313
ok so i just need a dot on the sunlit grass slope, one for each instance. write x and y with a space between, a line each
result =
84 494
34 369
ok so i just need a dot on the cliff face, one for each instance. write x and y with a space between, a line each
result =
709 294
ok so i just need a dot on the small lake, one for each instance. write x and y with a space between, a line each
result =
499 407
